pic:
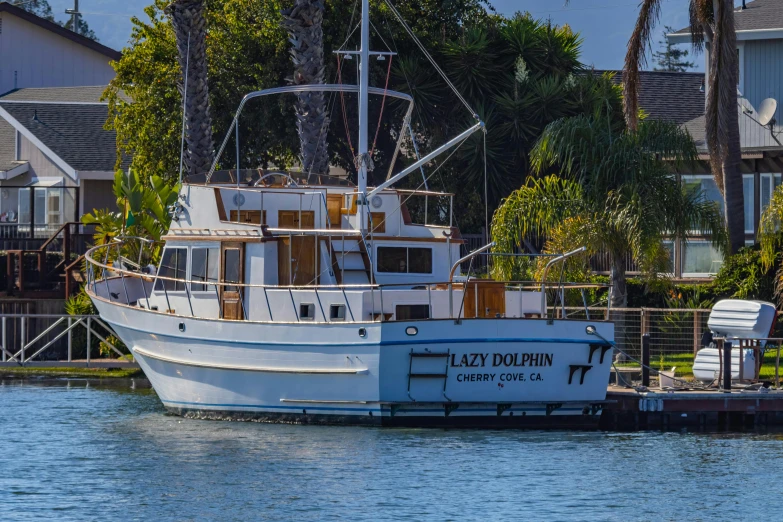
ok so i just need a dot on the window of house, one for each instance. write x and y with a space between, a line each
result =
700 258
707 184
769 182
405 260
204 266
173 265
412 312
669 246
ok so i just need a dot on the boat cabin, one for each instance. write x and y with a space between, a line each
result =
271 246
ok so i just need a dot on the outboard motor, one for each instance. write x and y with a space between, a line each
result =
733 319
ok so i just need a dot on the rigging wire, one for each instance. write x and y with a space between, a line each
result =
383 105
430 58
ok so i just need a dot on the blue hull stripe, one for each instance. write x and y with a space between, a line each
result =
358 410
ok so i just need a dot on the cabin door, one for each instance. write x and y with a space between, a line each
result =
297 263
489 301
232 270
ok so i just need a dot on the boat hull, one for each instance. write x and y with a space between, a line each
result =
488 373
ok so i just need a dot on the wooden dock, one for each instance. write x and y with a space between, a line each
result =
711 410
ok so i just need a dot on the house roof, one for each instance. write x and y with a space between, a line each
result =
66 124
669 96
5 7
677 97
7 146
90 94
759 15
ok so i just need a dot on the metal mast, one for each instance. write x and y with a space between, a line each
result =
364 84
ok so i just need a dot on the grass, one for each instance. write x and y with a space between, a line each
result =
93 373
684 364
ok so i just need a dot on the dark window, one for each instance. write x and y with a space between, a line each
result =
393 259
411 312
306 311
420 260
403 260
173 265
337 313
203 267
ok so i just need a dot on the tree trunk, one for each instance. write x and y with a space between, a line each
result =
187 17
722 121
733 189
619 300
304 23
617 281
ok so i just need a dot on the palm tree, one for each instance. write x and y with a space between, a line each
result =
615 194
304 22
712 20
771 239
187 17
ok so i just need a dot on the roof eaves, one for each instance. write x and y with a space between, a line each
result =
38 143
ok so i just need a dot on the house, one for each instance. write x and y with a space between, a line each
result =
56 160
35 52
680 97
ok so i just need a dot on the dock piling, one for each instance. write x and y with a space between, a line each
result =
727 366
646 360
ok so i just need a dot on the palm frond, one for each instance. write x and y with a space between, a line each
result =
635 59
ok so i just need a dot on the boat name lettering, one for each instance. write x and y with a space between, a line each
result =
481 360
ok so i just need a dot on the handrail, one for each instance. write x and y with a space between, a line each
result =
92 261
49 241
546 273
468 257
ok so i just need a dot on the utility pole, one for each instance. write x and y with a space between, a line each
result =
75 14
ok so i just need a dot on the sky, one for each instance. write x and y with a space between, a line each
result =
605 25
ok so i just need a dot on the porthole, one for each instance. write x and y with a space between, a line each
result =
181 327
411 330
362 332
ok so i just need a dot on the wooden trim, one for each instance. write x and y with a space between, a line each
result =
420 240
220 206
220 239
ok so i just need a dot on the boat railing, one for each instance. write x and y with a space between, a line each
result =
107 264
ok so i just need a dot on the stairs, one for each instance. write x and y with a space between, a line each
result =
351 261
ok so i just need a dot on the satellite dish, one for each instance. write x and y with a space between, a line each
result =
767 111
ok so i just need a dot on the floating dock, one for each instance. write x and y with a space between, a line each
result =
709 410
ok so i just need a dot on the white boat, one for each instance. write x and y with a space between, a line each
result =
292 298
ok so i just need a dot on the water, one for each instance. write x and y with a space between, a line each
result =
79 451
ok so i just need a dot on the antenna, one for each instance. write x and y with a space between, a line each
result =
767 111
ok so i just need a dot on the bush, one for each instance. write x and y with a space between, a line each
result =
743 276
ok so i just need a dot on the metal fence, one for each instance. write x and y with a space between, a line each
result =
35 338
673 332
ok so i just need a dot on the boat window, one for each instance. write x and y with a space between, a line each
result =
337 312
306 311
174 265
412 312
404 260
231 268
204 266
